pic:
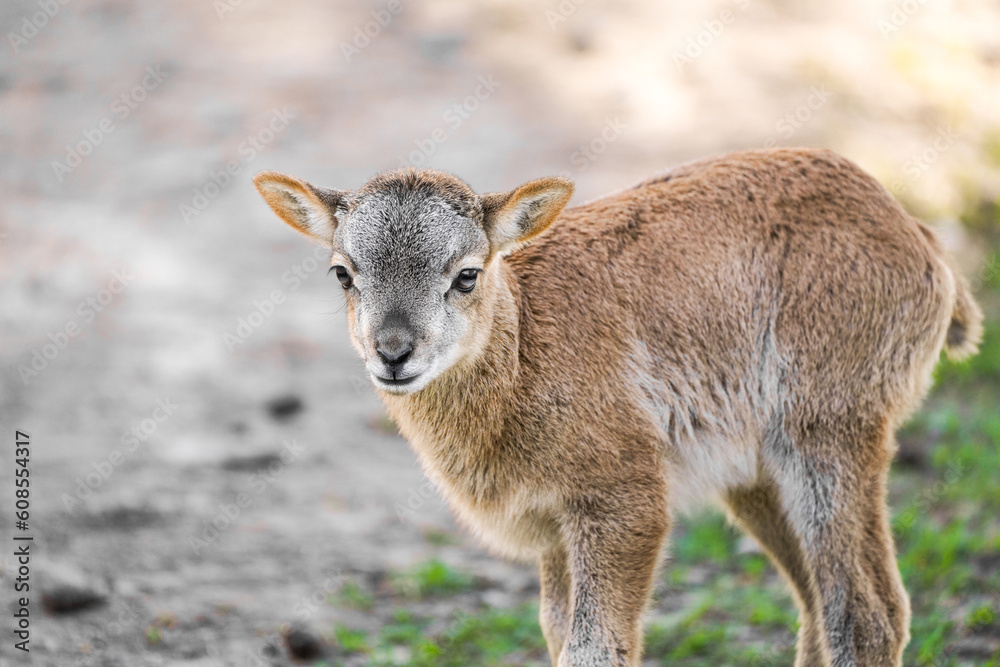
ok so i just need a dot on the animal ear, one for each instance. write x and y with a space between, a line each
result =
307 208
514 218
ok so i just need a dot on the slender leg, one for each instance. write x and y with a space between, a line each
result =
613 547
879 563
758 511
865 608
828 497
554 611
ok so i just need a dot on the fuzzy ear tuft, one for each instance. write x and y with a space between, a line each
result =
513 218
306 208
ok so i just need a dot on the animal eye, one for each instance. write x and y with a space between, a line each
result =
342 275
466 280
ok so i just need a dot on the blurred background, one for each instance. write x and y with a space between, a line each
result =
214 481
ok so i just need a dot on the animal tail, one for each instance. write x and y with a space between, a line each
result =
966 328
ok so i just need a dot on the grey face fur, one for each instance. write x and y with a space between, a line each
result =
404 249
400 245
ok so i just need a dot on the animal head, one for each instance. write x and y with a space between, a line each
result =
418 256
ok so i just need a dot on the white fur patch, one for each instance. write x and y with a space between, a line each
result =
318 220
705 468
808 493
517 219
708 446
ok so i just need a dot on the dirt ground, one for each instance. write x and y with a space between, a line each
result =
207 457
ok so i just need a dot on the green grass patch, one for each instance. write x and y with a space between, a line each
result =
981 617
353 596
431 578
707 538
488 638
351 641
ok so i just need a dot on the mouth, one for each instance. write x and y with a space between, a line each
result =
396 382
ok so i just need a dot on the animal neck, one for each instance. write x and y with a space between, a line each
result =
457 420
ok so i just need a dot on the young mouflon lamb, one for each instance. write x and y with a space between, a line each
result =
749 329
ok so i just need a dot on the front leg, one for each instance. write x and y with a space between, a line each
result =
614 544
553 608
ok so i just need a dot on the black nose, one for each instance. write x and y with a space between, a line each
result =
395 358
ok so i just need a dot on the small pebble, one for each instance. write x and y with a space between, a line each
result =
283 408
302 644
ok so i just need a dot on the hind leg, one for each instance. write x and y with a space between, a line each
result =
879 563
554 611
758 511
830 481
820 514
